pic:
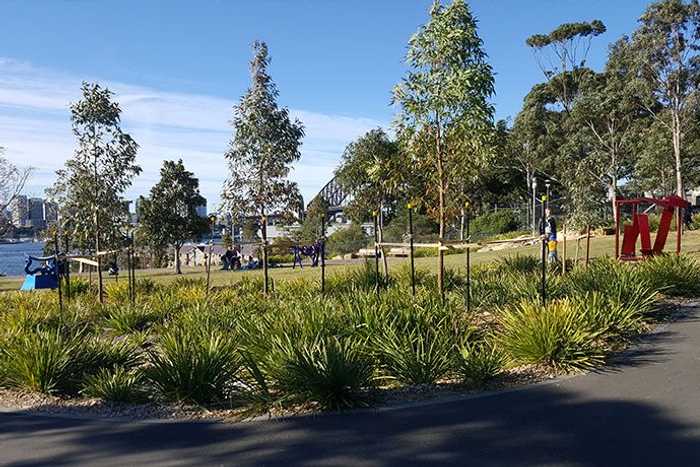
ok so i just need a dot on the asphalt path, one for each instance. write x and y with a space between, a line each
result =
642 410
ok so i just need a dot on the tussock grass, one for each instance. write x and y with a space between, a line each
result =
235 345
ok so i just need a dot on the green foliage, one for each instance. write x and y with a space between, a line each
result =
118 385
96 177
265 143
168 217
446 121
678 276
556 335
41 361
347 240
479 362
567 32
330 371
415 351
520 263
126 318
193 364
372 169
315 218
494 223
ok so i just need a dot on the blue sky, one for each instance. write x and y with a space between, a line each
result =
178 66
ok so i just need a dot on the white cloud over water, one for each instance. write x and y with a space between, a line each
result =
35 129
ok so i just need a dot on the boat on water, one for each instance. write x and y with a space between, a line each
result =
10 241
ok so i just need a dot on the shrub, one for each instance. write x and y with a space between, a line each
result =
117 385
558 335
126 319
415 353
607 276
494 223
41 361
356 279
675 275
330 371
96 354
195 365
347 240
614 317
520 263
477 363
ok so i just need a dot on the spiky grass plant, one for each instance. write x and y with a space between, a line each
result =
558 335
125 319
116 385
479 362
677 276
519 263
196 365
415 351
327 370
41 361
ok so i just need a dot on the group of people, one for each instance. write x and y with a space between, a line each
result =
233 260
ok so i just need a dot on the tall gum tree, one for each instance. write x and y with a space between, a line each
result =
90 187
265 143
606 117
667 63
445 108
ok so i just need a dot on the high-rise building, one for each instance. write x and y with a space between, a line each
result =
35 207
50 212
19 211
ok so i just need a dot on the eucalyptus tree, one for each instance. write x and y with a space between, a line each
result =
446 112
561 55
665 48
266 142
168 217
90 187
606 118
373 171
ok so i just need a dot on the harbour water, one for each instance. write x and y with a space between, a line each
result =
13 256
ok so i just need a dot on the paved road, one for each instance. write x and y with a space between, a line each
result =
645 410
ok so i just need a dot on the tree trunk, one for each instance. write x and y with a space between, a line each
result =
613 197
677 154
441 196
178 268
100 290
264 254
381 240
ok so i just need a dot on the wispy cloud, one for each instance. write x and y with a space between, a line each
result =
35 129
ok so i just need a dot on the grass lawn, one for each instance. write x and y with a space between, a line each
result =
600 246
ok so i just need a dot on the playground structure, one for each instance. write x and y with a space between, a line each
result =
55 269
313 251
44 276
639 228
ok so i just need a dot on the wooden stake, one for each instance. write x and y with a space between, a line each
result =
264 252
58 273
376 254
588 243
469 269
209 266
563 262
411 254
322 252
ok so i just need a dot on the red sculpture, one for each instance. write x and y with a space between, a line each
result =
640 227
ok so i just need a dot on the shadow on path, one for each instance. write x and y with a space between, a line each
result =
543 425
